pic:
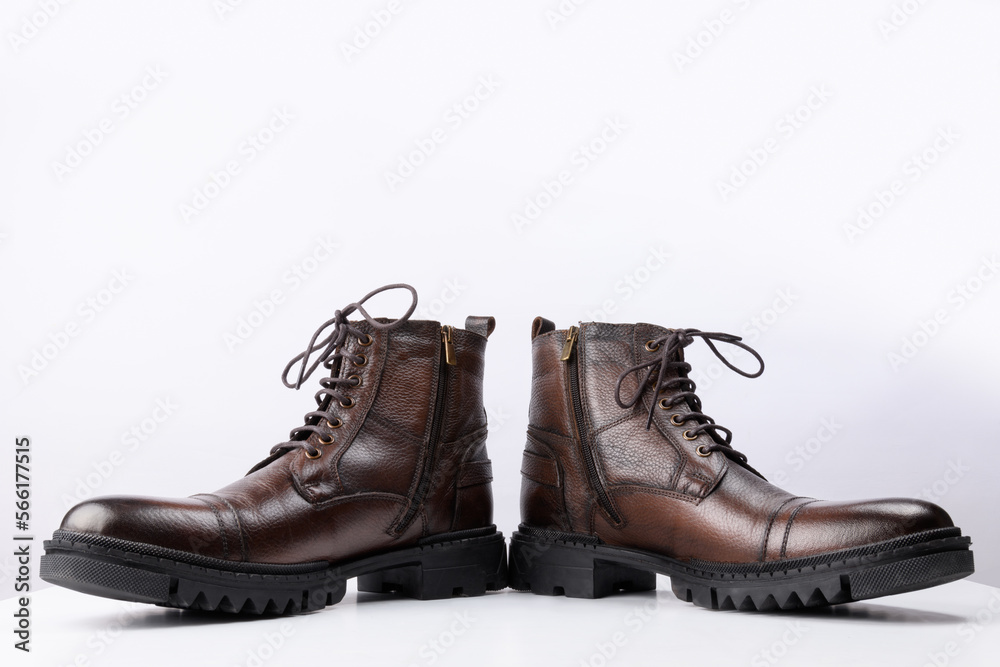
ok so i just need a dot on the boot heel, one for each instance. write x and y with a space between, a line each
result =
467 567
573 570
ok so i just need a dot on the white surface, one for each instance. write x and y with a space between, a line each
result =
831 417
509 628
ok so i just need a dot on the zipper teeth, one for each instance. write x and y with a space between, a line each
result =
588 454
425 477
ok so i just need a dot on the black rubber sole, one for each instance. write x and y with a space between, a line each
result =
549 563
449 566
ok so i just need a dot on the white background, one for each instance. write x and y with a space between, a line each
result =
885 107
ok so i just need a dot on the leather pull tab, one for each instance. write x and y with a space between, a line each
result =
541 326
483 326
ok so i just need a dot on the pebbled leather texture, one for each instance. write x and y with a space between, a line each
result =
348 502
667 498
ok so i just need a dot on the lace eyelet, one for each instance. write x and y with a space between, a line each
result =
334 424
687 436
356 379
349 403
319 453
366 343
676 420
702 450
651 346
364 361
326 440
664 405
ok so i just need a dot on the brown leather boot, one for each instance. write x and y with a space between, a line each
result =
623 476
388 480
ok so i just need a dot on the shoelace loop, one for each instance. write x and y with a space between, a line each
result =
333 389
669 345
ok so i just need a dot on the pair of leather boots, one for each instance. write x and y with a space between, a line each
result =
388 480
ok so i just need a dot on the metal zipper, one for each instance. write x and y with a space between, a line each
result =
569 355
437 421
449 346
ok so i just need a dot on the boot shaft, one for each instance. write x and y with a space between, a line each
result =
414 425
582 445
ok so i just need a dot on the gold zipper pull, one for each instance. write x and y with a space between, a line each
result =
571 335
449 347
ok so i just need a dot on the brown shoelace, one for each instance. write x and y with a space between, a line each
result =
333 389
670 346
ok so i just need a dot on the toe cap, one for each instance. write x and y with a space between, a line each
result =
824 526
182 524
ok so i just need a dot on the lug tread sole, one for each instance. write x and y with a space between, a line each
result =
586 570
444 569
